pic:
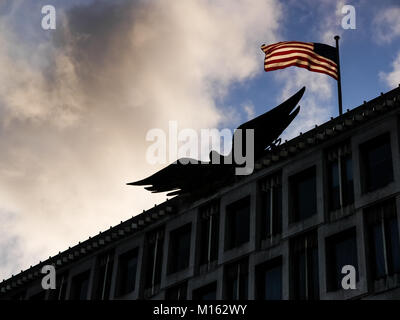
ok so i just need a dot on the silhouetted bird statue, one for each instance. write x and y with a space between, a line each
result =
190 176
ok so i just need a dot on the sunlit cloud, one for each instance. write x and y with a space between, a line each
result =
75 106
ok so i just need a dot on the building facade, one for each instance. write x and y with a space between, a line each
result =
325 199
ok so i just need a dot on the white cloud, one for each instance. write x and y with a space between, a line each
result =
392 78
75 109
386 25
249 109
316 106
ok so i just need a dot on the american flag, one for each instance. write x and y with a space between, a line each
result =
315 57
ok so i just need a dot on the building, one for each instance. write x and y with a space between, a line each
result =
327 198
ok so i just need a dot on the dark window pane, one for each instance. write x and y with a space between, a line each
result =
61 287
208 292
80 284
334 187
277 216
313 275
305 271
127 272
273 283
103 274
342 250
393 245
236 280
300 276
303 188
209 236
378 163
383 238
179 250
269 280
154 257
267 213
177 293
238 223
378 251
348 185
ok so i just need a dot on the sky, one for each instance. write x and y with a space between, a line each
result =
77 102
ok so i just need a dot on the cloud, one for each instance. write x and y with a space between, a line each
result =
386 25
249 109
76 104
315 106
392 78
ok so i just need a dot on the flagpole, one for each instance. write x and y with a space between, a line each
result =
339 82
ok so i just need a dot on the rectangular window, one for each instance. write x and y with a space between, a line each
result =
60 292
269 280
303 195
237 228
127 267
80 286
154 260
305 268
177 292
271 218
236 280
341 250
209 232
179 248
208 292
377 160
340 177
103 274
383 239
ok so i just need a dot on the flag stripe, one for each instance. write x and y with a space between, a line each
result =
302 61
264 47
294 45
301 54
301 64
310 53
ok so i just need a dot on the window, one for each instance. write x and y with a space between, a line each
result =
60 292
80 286
340 177
383 239
377 160
271 218
305 269
208 292
177 292
209 232
341 251
179 248
236 280
154 259
269 280
103 273
127 267
237 223
303 195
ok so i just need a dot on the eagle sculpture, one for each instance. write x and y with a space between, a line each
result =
190 176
